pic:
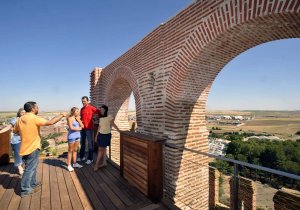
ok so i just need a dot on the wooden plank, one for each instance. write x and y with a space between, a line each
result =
135 141
36 197
7 196
129 165
107 202
150 207
4 147
129 152
25 203
135 150
135 181
63 191
81 192
132 189
16 199
45 194
138 205
6 178
122 195
124 188
54 191
92 188
130 160
75 200
155 172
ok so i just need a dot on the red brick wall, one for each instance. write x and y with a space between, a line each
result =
214 187
171 70
246 194
286 199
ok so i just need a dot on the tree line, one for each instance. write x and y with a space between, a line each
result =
279 155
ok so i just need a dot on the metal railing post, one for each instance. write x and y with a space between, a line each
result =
236 187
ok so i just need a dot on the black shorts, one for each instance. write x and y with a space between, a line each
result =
103 140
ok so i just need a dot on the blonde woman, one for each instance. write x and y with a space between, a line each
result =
75 126
15 141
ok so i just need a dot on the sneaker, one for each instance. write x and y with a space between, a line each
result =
35 190
88 162
81 159
70 168
77 165
37 185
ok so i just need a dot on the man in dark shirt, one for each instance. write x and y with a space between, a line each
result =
86 113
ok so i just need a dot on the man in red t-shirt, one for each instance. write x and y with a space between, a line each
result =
86 113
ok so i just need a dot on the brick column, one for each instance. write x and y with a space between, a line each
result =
214 176
286 199
94 91
246 194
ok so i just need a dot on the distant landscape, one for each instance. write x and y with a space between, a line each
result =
283 124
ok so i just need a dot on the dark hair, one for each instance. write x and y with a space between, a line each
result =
85 97
19 112
105 112
29 106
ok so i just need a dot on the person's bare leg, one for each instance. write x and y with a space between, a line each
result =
103 157
20 169
99 156
70 149
76 144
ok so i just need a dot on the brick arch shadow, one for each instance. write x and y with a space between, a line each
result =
208 48
121 83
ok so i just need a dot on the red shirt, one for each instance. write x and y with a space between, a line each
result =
86 114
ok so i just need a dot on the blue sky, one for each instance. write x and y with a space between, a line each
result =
48 49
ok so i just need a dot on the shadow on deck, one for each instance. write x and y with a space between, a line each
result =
81 189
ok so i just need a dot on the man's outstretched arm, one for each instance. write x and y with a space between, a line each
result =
55 119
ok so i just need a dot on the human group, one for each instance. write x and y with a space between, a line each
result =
26 140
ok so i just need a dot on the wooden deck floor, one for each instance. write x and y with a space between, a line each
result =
81 189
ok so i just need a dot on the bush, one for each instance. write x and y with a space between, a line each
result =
44 143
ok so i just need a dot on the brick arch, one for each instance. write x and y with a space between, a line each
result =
206 49
121 82
174 67
116 86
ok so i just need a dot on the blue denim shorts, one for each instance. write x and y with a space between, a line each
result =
70 141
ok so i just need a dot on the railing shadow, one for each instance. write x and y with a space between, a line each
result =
9 179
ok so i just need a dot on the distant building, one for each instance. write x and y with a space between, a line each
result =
238 117
226 117
217 146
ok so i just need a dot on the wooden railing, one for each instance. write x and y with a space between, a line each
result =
4 148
